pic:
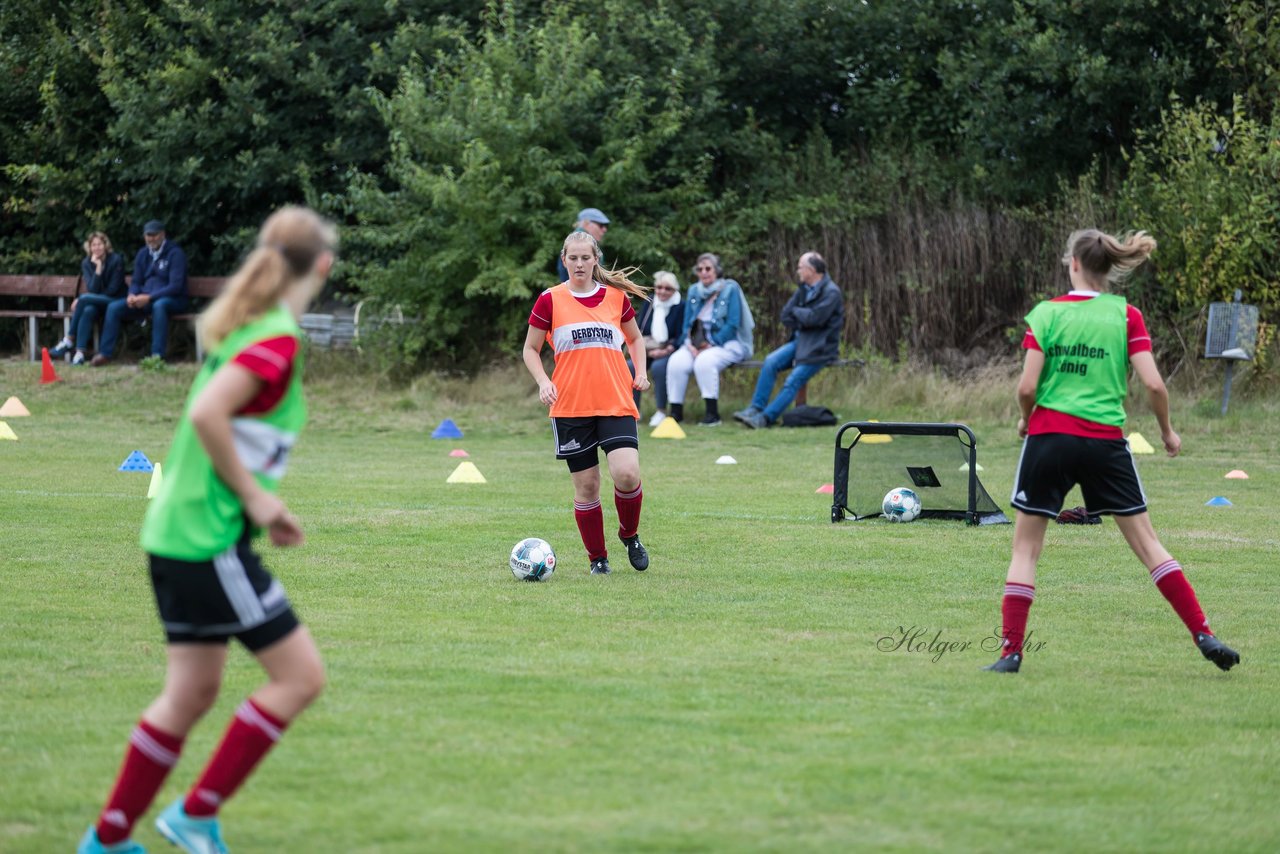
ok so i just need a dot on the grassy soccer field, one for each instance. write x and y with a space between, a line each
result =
735 697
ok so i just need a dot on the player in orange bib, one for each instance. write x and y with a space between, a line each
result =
587 319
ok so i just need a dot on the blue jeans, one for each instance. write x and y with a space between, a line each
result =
779 360
158 311
85 315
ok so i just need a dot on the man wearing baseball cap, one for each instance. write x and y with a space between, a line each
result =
593 222
157 292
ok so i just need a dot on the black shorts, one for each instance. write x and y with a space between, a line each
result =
1052 463
230 596
576 439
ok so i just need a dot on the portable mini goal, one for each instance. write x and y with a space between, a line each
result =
938 461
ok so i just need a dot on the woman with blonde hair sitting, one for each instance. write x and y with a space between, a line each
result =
660 323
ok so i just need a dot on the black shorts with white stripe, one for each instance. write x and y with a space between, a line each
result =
576 439
230 596
1052 463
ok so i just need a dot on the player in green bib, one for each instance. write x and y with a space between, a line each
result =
241 419
1079 350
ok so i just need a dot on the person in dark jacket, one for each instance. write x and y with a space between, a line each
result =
158 291
101 282
661 320
593 222
815 314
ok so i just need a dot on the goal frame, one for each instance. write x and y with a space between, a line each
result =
840 482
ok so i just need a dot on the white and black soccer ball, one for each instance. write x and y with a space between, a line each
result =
901 505
532 559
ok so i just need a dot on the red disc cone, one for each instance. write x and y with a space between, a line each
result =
47 374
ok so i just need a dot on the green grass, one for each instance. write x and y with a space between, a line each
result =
731 698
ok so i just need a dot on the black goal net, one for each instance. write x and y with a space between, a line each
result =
938 461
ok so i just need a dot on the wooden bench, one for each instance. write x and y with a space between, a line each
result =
60 288
198 288
67 288
802 396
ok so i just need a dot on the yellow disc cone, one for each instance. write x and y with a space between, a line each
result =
156 477
1140 445
466 472
668 429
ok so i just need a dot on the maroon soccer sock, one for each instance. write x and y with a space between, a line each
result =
150 756
1173 585
253 731
1014 610
590 519
628 504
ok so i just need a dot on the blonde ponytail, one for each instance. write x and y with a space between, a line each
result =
290 242
617 278
1103 257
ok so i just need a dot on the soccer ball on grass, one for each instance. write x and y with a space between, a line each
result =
532 559
901 505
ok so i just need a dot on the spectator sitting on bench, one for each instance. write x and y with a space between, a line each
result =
102 276
661 320
158 290
815 314
716 333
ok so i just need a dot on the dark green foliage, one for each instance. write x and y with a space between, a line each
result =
495 149
1208 187
204 115
923 145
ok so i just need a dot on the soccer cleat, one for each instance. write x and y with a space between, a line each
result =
1217 651
1008 664
600 566
636 553
758 421
657 418
744 415
89 844
709 421
193 835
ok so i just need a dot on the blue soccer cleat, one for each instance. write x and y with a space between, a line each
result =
193 835
90 845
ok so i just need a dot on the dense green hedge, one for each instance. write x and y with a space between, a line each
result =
937 151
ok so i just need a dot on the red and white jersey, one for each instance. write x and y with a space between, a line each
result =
1051 420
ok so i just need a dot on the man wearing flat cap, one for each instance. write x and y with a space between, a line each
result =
158 291
593 222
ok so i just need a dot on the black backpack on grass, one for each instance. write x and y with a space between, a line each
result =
808 416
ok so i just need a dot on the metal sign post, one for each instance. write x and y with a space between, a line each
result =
1232 335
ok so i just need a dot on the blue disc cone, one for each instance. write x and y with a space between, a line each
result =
137 461
1217 501
447 430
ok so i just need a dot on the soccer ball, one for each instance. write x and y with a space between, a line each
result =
532 559
901 505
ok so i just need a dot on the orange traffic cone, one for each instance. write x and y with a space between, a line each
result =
47 374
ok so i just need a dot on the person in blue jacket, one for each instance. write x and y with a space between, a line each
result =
102 281
158 291
716 333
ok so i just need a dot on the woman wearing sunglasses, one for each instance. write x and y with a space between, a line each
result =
716 334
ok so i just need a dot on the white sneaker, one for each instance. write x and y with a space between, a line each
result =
657 418
78 358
